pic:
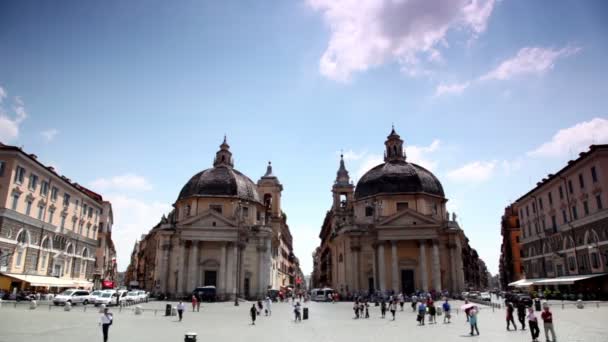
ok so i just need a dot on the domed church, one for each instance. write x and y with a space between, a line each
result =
224 231
390 232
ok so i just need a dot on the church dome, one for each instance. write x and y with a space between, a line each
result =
396 175
222 180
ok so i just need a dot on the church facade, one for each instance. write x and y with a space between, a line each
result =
390 232
224 231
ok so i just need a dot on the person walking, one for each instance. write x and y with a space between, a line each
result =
180 310
521 314
268 310
533 324
446 311
547 317
414 302
421 313
432 313
401 300
253 312
510 316
198 303
296 311
383 308
194 302
366 309
356 309
105 322
393 308
473 321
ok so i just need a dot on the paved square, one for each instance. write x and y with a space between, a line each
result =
328 322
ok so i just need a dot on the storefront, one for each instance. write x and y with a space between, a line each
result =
35 283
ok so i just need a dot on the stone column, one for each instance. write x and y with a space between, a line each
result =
164 266
261 251
181 269
222 271
235 256
381 270
394 268
374 268
356 270
268 266
422 262
436 267
192 264
459 266
197 269
454 282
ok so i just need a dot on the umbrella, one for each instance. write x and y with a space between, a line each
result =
468 306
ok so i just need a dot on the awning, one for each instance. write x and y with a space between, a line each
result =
43 281
523 283
82 283
567 280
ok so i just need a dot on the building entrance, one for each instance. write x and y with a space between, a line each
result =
407 281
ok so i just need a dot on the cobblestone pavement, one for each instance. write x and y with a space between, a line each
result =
328 323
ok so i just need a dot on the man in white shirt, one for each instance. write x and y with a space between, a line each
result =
180 309
105 322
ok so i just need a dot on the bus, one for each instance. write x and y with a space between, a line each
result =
321 295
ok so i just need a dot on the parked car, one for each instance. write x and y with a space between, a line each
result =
465 294
133 297
143 296
94 295
206 293
72 296
485 296
107 297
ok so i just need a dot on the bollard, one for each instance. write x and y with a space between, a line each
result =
155 311
49 307
15 305
597 304
67 307
138 310
562 305
33 305
0 302
85 308
190 337
579 304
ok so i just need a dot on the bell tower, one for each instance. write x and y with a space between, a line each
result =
394 147
270 188
223 157
343 188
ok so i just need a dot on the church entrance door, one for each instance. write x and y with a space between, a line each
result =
210 278
407 281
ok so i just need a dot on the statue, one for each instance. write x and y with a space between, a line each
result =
454 217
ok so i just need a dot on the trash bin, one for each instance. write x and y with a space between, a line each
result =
305 314
168 310
190 337
537 304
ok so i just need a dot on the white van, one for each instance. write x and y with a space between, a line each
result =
72 296
321 295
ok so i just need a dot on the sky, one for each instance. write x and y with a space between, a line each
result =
133 98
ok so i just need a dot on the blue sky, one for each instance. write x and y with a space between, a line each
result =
133 98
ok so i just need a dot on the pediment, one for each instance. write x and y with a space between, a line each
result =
208 218
408 217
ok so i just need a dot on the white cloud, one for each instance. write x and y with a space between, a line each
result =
9 126
127 181
132 218
352 155
49 134
419 154
451 89
510 166
369 33
474 172
529 60
574 139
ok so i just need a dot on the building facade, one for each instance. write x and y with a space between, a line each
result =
510 267
564 224
225 231
105 258
49 226
391 232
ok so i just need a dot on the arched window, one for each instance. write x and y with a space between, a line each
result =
22 237
46 243
70 249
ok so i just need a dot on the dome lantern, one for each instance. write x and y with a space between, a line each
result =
394 147
223 157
